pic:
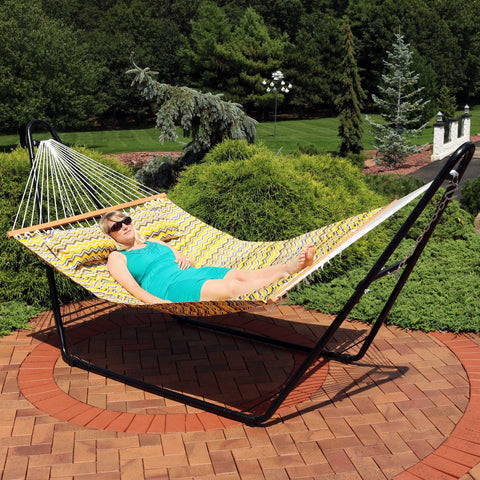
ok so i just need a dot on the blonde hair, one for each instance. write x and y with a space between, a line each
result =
117 216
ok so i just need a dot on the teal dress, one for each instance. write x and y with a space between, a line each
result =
155 270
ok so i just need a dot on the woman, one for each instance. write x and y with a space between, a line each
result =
154 272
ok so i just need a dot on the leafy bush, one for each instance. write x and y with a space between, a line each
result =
441 293
22 275
393 186
357 159
15 315
308 150
233 150
471 196
159 172
265 197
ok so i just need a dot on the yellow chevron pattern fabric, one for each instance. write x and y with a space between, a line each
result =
81 246
81 253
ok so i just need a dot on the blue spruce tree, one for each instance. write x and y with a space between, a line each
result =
400 107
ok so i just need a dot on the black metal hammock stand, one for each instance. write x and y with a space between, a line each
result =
44 232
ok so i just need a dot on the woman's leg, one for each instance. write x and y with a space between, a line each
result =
240 282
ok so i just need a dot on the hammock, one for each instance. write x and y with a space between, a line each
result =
61 182
67 192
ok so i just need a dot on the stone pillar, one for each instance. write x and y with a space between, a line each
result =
438 138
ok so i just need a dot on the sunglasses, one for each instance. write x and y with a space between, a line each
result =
118 225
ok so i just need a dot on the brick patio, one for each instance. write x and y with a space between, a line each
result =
409 410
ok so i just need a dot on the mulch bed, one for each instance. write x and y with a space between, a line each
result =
137 159
413 163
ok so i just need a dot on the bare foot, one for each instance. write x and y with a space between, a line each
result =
305 259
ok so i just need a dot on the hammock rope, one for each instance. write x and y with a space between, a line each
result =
64 182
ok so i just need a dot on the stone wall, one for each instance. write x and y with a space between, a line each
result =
449 134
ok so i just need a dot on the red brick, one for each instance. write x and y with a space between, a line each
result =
339 461
84 451
457 456
446 465
132 468
175 423
102 420
249 469
197 454
158 424
86 415
173 444
140 423
38 473
423 470
210 421
462 445
121 423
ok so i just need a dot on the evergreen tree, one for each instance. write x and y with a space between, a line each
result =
205 58
205 117
46 71
447 103
350 100
232 58
255 54
399 105
313 64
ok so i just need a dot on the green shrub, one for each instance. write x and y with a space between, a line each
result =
308 150
392 185
159 172
441 293
265 197
22 275
15 315
357 159
471 196
233 150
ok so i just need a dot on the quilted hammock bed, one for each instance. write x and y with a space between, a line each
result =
81 253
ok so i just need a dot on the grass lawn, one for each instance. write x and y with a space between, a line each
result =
320 133
107 141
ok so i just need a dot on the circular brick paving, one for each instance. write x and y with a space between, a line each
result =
154 348
410 410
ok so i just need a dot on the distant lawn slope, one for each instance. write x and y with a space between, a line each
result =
321 134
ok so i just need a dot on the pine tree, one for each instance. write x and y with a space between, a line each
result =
399 105
205 117
350 100
447 103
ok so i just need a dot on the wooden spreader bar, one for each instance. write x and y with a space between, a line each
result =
83 216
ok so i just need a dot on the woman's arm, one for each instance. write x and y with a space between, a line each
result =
117 266
182 260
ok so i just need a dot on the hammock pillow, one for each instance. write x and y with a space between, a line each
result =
150 224
79 246
88 246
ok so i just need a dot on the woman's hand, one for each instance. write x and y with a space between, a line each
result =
157 301
183 261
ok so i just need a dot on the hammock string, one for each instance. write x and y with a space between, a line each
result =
63 183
